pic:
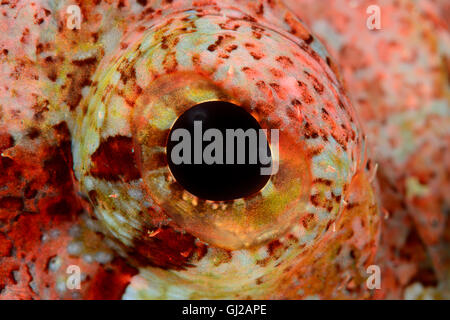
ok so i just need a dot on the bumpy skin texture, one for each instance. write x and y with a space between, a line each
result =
85 114
398 79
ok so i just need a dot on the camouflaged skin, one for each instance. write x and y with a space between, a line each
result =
397 78
84 116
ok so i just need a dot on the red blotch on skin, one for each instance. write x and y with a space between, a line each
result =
6 141
114 160
168 249
60 207
5 246
58 170
306 96
307 219
11 203
275 249
109 283
38 207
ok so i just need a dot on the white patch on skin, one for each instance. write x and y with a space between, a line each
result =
163 117
146 43
143 76
88 258
75 248
110 40
183 47
205 26
54 264
103 257
322 27
61 285
83 55
117 118
85 91
135 194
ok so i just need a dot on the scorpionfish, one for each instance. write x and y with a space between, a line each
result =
363 120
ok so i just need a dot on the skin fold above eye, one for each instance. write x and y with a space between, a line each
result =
84 123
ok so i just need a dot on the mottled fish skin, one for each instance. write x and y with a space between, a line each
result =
83 120
397 78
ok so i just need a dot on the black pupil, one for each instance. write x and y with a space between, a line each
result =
233 172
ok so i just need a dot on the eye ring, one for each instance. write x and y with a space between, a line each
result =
149 86
230 224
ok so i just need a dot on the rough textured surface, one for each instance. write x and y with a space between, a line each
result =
85 114
398 79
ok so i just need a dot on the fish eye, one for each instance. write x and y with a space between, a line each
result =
201 149
218 158
206 137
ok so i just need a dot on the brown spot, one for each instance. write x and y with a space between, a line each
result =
309 132
297 28
231 48
315 199
296 103
306 96
275 86
39 108
309 39
257 55
323 181
329 223
33 133
170 62
79 79
316 84
286 62
352 205
257 35
114 160
307 219
249 18
85 61
260 10
274 247
276 73
214 46
127 73
233 27
196 59
52 75
340 140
